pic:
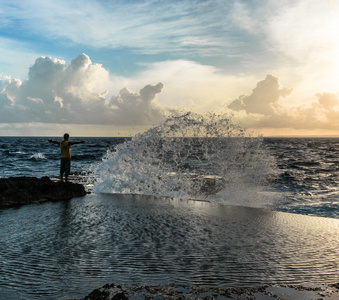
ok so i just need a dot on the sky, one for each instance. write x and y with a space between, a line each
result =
118 67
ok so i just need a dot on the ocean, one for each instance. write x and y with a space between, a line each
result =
218 210
306 177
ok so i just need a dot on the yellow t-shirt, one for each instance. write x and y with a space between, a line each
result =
65 150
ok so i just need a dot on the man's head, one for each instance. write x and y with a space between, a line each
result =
66 136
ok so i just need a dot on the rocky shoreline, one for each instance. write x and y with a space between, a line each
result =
175 291
17 191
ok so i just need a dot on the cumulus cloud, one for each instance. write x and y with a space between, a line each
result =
265 108
140 106
85 93
59 93
327 100
263 97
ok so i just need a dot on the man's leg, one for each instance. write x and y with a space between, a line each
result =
67 168
62 169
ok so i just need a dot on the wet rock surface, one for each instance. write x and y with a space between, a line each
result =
16 191
175 291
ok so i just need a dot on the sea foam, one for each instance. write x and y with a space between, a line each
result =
37 156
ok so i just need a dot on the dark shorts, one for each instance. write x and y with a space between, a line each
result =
65 166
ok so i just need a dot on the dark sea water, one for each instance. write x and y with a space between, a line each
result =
306 179
34 156
270 215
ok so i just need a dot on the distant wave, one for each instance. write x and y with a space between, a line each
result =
17 152
38 156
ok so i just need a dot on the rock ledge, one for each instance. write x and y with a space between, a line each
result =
16 191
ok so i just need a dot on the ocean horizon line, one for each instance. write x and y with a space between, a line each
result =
130 136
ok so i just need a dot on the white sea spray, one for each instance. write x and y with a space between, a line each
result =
191 156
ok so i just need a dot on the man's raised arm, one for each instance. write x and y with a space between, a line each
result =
53 142
74 143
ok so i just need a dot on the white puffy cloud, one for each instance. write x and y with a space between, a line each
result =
263 97
191 85
59 93
83 93
327 100
264 108
140 107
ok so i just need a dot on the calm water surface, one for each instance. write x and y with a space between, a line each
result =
67 249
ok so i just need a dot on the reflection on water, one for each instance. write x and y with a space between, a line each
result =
66 249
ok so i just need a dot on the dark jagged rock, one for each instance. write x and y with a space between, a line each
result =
178 291
16 191
97 295
119 296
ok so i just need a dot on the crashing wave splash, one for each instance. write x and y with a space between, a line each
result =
190 156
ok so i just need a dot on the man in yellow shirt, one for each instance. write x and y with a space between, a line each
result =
65 148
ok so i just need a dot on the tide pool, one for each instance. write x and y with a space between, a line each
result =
66 249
